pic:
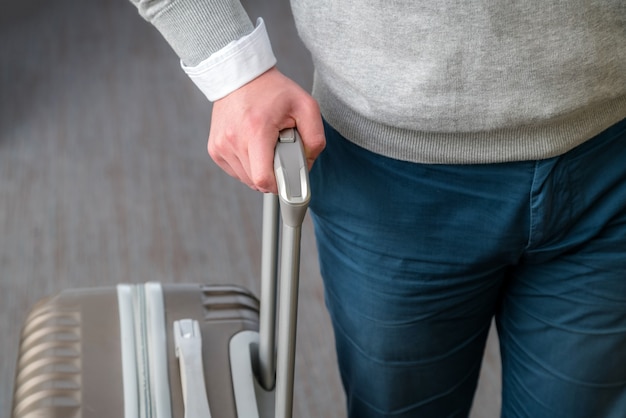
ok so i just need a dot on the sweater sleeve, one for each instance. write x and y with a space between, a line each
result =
218 46
196 29
235 65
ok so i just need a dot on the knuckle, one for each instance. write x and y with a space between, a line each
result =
221 143
309 105
255 118
319 142
315 144
312 104
263 182
213 151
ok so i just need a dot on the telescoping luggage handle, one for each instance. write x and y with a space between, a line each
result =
290 168
291 202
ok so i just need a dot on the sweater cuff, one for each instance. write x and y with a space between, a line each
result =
235 65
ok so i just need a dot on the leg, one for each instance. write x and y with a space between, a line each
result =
412 272
563 320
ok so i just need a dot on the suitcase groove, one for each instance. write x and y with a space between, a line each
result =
42 323
227 303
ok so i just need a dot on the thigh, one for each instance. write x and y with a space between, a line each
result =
412 258
563 320
563 339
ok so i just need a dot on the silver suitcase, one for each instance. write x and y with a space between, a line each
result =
174 350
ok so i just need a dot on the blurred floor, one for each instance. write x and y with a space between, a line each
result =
104 178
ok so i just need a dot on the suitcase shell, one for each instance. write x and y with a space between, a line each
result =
70 362
124 352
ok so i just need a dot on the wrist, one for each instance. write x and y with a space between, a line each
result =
235 65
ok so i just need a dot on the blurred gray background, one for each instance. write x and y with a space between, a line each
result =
104 178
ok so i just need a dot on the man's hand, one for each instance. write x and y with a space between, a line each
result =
245 126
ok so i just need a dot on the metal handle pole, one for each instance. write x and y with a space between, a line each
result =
291 203
269 260
288 317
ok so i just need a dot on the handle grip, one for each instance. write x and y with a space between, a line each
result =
292 177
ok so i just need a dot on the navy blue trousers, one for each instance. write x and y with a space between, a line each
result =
418 259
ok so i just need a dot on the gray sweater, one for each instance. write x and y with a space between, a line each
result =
449 81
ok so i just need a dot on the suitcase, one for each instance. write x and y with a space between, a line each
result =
175 350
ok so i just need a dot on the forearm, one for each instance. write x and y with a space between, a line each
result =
232 64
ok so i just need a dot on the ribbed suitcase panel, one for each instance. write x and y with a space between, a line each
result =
68 365
48 381
70 354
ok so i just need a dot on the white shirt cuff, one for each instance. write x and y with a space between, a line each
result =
235 65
